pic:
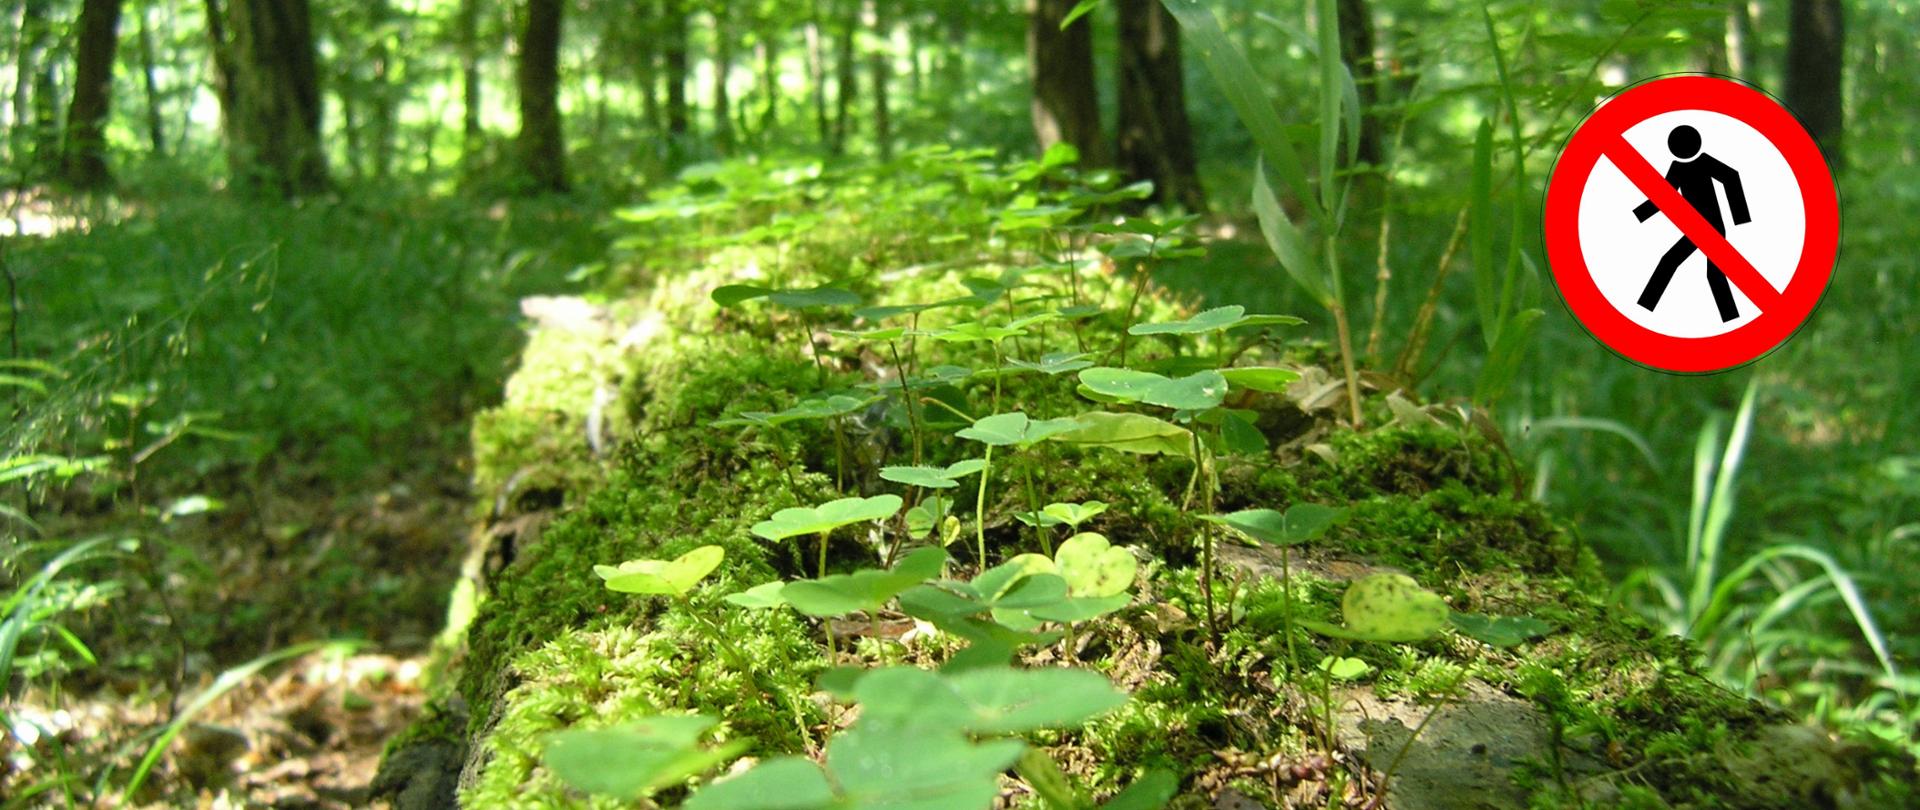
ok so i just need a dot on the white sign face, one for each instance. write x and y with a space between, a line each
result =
1623 252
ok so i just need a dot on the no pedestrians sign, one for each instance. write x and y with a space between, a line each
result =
1691 224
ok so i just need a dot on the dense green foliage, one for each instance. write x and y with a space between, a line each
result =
819 366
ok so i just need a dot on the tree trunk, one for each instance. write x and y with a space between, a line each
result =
1155 138
543 152
722 69
470 100
156 128
1814 68
769 79
270 95
847 74
1356 49
384 89
1739 39
33 139
84 160
880 65
817 76
1066 108
674 15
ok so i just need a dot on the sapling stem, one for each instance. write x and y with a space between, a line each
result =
1341 327
1206 542
980 508
822 570
1286 603
1033 505
1139 286
906 388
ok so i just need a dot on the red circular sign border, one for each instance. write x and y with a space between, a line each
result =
1580 157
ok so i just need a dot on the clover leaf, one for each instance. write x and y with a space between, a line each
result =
1003 429
1213 320
1500 631
1063 514
1053 363
1300 523
1094 567
934 477
1195 392
633 760
1387 607
863 590
826 517
1129 433
662 577
733 295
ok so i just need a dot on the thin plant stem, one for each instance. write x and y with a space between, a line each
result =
1344 330
906 387
1033 504
980 509
822 570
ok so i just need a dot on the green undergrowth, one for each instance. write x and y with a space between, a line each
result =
1226 685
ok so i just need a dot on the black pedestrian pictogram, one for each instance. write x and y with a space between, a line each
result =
1693 173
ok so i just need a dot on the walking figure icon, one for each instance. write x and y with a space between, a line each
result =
1693 173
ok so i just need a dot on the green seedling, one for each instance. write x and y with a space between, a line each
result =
1054 363
662 577
917 742
1500 631
1300 523
1063 514
1015 430
822 297
825 407
934 477
1218 319
1389 608
631 761
929 514
823 519
1195 392
1129 433
1093 567
866 590
1266 379
1341 668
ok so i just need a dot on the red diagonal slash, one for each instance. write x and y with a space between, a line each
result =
1680 212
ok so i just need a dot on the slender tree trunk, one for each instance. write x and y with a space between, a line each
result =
270 88
384 88
817 76
1356 49
84 160
769 48
675 19
722 70
33 138
470 90
1815 55
847 74
1739 39
646 64
1066 108
880 65
156 128
1155 137
543 153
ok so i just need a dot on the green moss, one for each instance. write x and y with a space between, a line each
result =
611 671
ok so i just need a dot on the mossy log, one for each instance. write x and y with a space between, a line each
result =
605 450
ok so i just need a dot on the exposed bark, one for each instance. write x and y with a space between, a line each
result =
880 66
1066 107
1356 49
269 88
543 153
84 160
1814 71
1155 137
